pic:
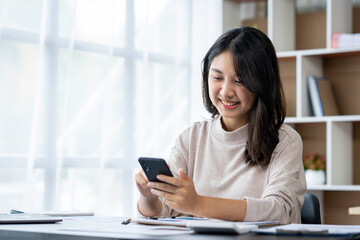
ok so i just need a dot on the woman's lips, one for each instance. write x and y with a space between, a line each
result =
229 105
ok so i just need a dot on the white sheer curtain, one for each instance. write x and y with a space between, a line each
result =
86 87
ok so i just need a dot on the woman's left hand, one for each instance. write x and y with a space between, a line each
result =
177 193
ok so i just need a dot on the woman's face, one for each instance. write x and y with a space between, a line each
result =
232 100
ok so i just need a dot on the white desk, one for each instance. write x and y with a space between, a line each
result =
61 231
89 228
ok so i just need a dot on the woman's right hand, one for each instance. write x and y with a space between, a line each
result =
142 185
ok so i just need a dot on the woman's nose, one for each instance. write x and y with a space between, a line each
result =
227 89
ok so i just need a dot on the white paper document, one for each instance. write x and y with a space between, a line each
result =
205 225
55 213
179 222
312 229
158 227
115 226
217 226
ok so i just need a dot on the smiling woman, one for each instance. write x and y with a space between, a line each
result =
86 88
244 164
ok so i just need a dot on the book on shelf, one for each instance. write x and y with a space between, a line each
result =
322 97
354 210
345 40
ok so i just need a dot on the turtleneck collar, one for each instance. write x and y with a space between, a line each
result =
236 137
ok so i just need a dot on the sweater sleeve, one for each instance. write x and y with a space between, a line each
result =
283 196
176 160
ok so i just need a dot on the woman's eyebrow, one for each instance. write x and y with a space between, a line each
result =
216 70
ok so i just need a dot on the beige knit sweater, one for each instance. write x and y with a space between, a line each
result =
215 160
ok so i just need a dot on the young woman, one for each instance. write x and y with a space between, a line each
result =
244 164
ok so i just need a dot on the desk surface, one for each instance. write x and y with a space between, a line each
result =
59 231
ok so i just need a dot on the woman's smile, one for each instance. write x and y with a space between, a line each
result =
229 104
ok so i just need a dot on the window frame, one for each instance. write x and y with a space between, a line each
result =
50 42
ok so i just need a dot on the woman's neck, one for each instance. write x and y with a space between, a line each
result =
231 124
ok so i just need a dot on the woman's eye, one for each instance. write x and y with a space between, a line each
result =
238 82
217 78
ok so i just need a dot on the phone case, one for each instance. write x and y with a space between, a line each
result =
153 167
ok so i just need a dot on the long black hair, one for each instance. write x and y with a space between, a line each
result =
256 65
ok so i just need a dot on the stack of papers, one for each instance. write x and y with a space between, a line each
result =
312 230
114 225
212 226
178 222
204 225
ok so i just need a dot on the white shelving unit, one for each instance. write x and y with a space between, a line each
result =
337 137
338 129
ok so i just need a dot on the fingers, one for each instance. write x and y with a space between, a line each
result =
142 173
162 186
170 180
182 175
177 200
166 196
141 179
179 182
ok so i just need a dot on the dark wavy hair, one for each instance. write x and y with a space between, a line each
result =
256 64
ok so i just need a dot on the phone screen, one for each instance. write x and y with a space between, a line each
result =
153 167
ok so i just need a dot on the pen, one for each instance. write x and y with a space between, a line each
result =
126 222
191 218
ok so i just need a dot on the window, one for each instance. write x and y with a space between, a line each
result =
86 88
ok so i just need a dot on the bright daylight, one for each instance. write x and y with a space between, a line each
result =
87 87
179 119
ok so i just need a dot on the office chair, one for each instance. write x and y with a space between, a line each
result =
310 211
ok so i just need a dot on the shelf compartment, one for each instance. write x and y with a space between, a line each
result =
341 69
287 68
258 23
340 148
309 65
313 136
343 147
356 150
290 30
311 30
344 74
356 20
336 206
239 13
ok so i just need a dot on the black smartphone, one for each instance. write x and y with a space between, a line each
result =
153 167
